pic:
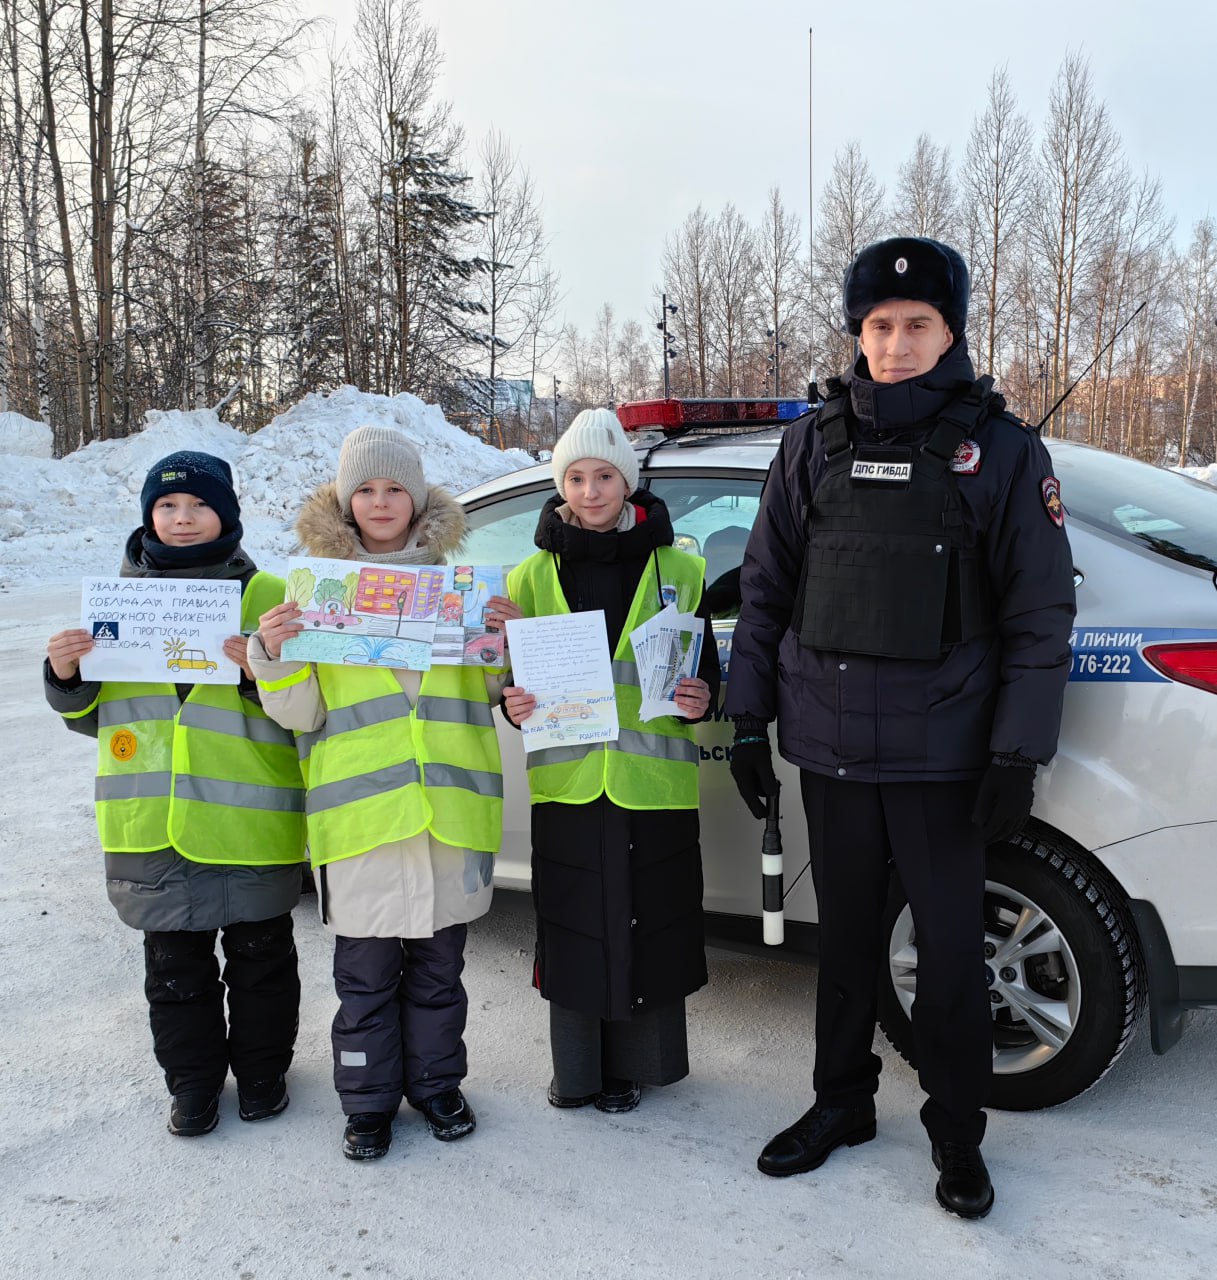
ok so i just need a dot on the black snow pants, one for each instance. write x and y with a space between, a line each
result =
185 991
400 1023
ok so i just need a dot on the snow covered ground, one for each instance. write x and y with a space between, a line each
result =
1118 1184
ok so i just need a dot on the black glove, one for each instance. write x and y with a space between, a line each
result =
1003 802
752 764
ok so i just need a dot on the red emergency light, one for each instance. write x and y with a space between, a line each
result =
673 415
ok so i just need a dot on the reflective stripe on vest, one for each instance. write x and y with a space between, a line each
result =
381 770
645 767
212 776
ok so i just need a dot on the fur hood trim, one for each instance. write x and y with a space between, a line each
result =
323 531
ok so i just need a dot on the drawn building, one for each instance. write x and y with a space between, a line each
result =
406 593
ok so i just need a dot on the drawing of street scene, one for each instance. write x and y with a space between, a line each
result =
411 616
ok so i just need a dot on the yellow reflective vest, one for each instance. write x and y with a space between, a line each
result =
380 769
211 776
651 766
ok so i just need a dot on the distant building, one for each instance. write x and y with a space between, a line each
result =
479 398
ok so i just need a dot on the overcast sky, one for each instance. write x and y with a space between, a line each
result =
632 112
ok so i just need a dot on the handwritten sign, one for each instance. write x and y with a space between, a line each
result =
564 661
160 630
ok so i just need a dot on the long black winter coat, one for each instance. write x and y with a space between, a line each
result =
617 891
874 719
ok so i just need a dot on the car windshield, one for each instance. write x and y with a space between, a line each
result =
1169 513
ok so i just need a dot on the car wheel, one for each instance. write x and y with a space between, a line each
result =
1064 974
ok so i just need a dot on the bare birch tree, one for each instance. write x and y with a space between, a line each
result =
994 188
1197 296
925 202
851 216
781 297
1080 170
686 276
732 308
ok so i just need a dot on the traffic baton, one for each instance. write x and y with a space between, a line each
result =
773 916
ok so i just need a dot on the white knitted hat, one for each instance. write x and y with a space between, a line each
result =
595 433
372 453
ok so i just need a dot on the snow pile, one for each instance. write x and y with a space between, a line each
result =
25 437
1207 473
63 518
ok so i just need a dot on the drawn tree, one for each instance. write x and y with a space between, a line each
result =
300 584
350 585
329 589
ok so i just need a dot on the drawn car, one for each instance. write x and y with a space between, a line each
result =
191 660
331 614
485 647
567 711
1105 907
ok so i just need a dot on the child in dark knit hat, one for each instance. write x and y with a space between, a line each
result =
405 804
200 812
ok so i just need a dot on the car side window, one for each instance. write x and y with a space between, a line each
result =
501 531
712 517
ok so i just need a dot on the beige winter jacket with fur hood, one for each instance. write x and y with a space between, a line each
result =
408 888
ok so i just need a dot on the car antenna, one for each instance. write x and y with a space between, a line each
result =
1039 425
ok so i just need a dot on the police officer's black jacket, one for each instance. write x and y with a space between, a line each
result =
867 718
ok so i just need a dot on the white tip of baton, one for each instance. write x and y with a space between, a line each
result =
773 926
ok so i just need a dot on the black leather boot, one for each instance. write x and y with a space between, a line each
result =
449 1116
368 1135
814 1136
963 1187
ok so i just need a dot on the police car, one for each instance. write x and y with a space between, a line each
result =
1106 906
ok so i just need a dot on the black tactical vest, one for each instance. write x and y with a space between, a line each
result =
889 570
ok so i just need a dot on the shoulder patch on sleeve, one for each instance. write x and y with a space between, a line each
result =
1050 488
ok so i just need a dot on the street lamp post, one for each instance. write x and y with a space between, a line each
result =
557 397
775 360
665 309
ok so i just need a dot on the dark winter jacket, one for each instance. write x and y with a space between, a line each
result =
617 892
885 719
162 891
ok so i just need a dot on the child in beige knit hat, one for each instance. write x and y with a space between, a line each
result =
404 806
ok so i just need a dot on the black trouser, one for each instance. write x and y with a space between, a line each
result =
646 1048
925 828
185 993
399 1030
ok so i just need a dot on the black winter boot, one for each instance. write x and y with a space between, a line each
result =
368 1136
964 1187
193 1114
449 1116
814 1136
261 1099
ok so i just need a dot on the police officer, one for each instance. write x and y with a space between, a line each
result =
907 603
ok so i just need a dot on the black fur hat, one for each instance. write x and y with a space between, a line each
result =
912 267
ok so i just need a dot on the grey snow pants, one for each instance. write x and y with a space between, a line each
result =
400 1023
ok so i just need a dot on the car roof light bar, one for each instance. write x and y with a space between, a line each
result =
673 416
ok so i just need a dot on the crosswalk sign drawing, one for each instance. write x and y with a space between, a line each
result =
105 630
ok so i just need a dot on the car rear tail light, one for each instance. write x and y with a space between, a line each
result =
1194 664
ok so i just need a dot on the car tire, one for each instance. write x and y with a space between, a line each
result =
1089 980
